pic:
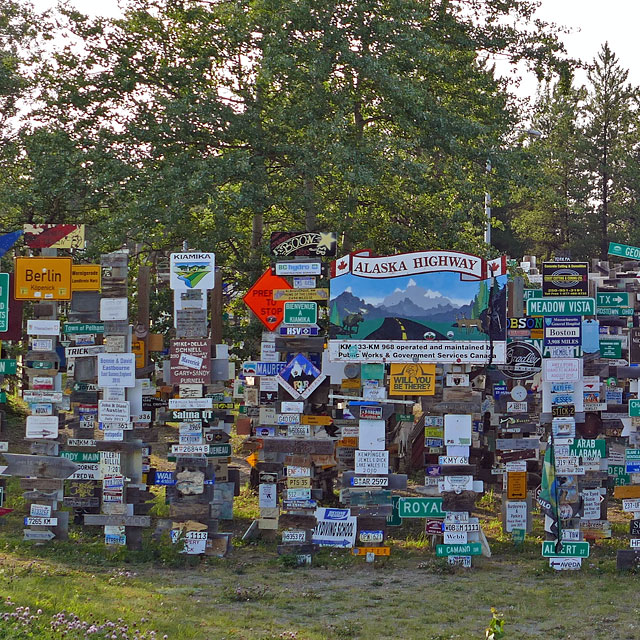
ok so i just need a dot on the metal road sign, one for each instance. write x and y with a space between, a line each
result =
612 299
568 550
420 508
561 307
300 312
43 278
4 302
260 300
469 549
624 250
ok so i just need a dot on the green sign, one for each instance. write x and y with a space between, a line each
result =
394 520
612 299
81 456
632 454
220 450
619 474
634 407
404 417
300 312
41 364
588 448
421 508
614 311
568 550
530 294
611 349
372 371
624 250
561 307
518 536
469 549
3 397
84 327
8 367
4 302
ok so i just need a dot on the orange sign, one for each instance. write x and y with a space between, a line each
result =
517 485
86 277
43 278
260 299
348 442
137 347
316 421
377 551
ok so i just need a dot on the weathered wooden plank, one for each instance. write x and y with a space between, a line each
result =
101 519
38 466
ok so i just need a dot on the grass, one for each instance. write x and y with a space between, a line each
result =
88 591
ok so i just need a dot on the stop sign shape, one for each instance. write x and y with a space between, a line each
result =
260 299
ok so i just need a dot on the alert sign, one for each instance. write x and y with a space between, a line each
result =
43 278
260 300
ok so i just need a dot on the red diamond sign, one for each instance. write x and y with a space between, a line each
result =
260 299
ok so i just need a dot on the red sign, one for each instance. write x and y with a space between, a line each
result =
58 236
433 526
260 299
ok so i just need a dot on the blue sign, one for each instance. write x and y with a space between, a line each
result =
500 390
298 331
433 471
562 331
633 467
269 368
164 478
433 442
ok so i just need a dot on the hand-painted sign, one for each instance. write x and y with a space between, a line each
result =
54 236
303 243
417 296
190 361
300 377
412 379
42 278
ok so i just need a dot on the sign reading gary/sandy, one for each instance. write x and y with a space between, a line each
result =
43 278
439 297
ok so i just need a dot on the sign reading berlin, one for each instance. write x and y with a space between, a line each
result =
43 278
412 379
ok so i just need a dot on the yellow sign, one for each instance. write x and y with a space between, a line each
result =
137 347
348 442
412 379
433 432
301 294
43 278
377 551
299 483
351 383
86 277
316 421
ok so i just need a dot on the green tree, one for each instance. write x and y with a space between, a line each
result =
611 133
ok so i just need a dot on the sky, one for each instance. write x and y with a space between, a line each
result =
592 22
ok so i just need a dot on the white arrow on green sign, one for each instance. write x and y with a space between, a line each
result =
561 307
634 408
612 299
421 508
624 250
568 549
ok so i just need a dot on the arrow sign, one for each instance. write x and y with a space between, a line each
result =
38 466
29 534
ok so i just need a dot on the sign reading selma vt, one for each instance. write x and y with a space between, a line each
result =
561 307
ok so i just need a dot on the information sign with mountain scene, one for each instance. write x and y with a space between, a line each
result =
437 305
